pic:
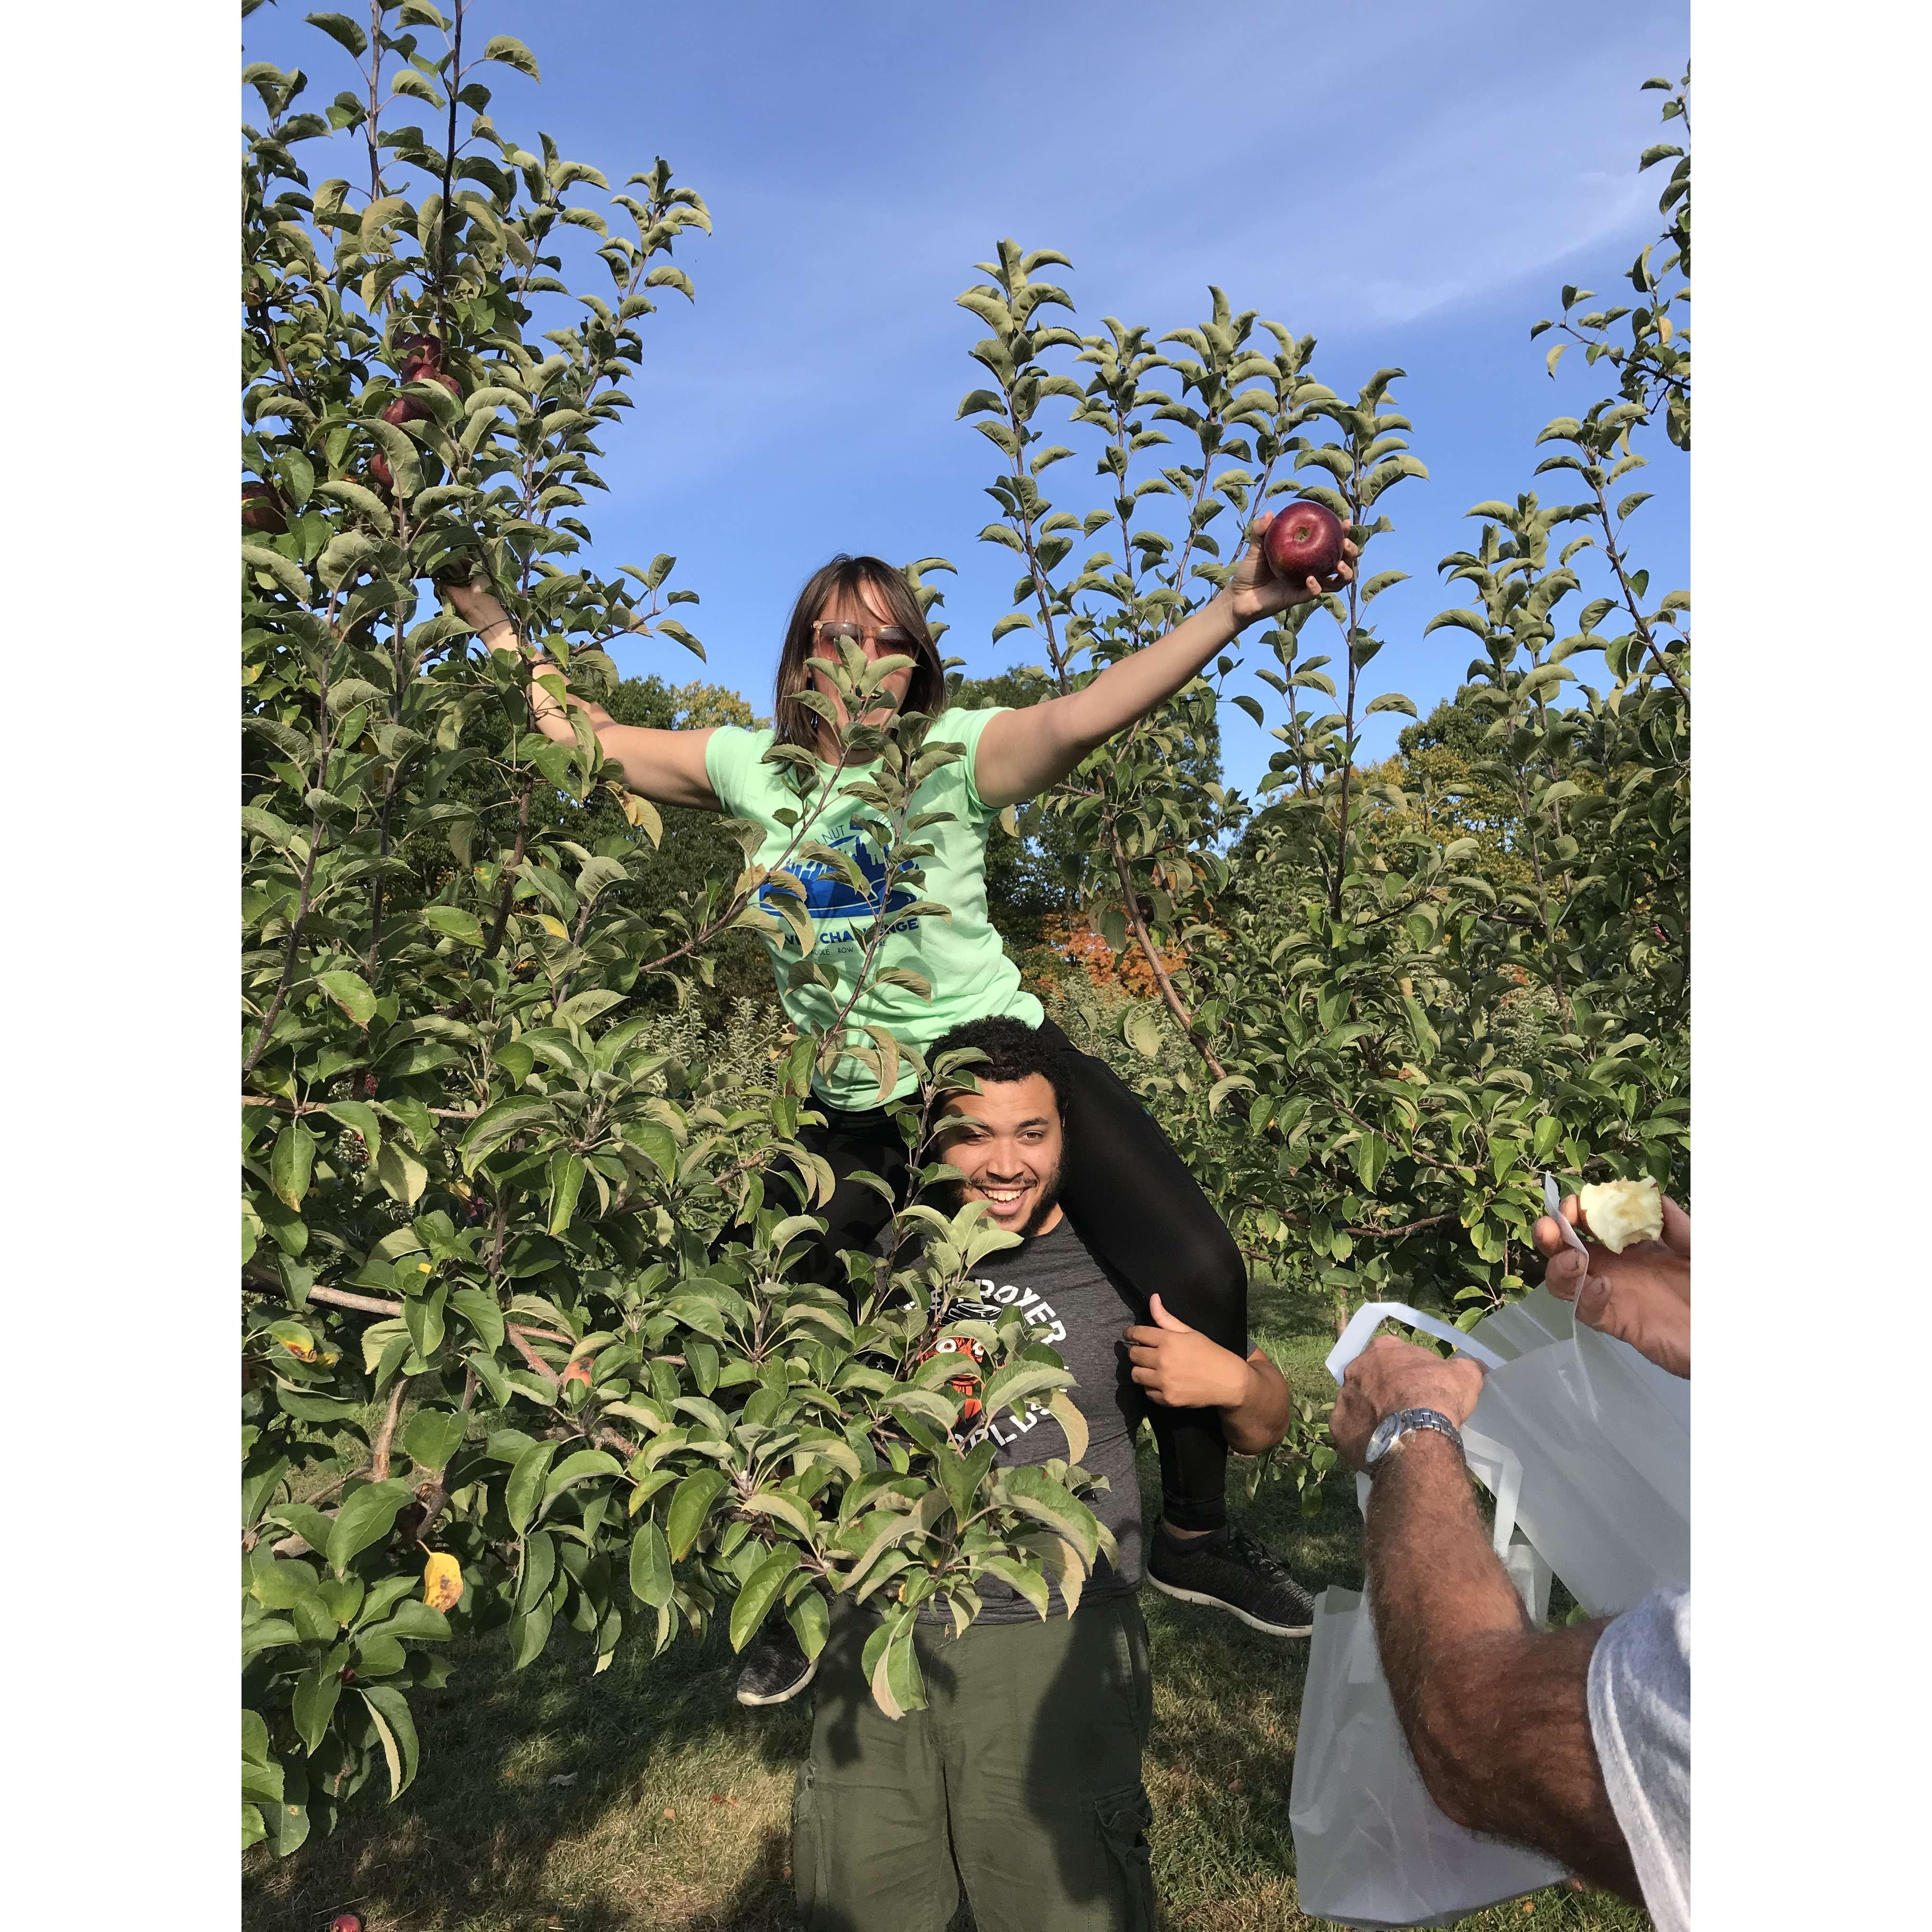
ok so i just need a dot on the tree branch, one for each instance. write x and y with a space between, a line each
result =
386 1436
1145 942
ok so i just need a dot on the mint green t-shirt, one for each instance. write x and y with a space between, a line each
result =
960 958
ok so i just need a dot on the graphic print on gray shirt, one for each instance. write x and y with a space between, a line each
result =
1056 1283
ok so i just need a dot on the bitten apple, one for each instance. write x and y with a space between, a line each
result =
1619 1212
1303 541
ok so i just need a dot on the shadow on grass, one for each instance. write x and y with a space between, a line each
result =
673 1815
676 1815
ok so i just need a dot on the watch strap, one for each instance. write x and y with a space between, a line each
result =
1392 1429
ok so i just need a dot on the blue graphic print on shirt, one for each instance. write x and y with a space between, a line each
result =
834 907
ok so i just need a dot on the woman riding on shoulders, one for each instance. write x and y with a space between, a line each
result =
1128 1193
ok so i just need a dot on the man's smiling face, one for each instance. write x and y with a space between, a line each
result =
1007 1141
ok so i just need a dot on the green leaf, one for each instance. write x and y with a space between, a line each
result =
1036 1494
512 52
1028 1583
366 1517
1012 1384
350 992
656 1142
314 1704
651 1581
521 1494
403 1176
810 1619
398 1732
903 1680
580 1466
1216 1094
359 1118
340 28
1067 1412
291 1164
497 1123
756 1597
566 1182
1142 1031
432 1436
780 1508
689 1507
482 1312
284 570
453 922
401 454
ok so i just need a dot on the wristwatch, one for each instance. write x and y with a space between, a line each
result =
1392 1429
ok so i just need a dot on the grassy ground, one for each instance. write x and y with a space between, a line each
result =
646 1799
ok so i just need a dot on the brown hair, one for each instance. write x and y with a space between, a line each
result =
796 724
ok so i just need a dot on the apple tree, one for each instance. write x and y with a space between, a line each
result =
525 1340
1402 1043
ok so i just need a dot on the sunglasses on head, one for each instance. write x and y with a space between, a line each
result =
895 640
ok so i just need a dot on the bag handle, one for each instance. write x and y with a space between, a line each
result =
1371 1315
1494 1464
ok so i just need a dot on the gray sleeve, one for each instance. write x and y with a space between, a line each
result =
1640 1722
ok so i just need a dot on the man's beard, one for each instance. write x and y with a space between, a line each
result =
951 1197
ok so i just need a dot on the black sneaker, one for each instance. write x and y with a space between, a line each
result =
1230 1570
775 1668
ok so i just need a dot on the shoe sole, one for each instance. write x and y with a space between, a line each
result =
753 1702
1234 1610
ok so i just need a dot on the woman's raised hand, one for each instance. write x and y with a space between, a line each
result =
476 605
1254 591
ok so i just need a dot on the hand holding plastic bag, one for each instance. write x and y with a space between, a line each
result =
1371 1846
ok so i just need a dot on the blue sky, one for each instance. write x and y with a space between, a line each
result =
1409 181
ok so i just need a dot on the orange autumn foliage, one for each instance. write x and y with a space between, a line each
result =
1076 941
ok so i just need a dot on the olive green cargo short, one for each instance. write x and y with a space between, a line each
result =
1020 1783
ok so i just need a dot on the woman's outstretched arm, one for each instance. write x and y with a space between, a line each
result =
1021 753
666 767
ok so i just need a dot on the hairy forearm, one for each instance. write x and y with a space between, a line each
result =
1495 1712
1259 1420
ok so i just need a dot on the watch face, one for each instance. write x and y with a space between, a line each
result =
1378 1443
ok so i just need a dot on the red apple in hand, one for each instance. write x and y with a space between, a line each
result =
1305 541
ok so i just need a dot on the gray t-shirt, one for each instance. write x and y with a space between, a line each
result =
1640 1722
1058 1283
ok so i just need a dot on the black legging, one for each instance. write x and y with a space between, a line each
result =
1136 1207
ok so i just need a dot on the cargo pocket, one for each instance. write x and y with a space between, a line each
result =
808 1853
1125 1817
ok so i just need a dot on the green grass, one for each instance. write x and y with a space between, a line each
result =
675 1818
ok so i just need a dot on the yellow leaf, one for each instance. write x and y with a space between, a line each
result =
442 1582
555 927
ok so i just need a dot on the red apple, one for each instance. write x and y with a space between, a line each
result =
420 353
263 510
378 469
1305 541
345 1921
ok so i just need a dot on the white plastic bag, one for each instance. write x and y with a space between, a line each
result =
1604 1435
1371 1846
